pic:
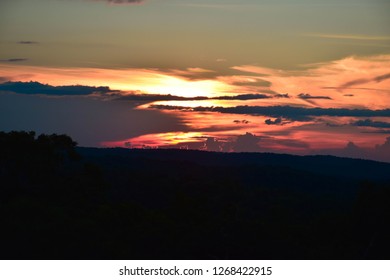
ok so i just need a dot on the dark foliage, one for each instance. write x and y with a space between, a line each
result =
140 204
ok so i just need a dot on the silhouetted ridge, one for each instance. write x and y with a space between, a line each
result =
62 202
326 165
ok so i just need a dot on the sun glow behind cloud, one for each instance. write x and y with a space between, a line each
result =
143 80
338 80
181 87
154 141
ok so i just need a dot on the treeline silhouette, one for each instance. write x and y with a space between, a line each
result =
63 202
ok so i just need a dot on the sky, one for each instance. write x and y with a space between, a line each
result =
286 76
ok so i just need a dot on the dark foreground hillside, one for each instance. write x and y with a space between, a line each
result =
62 202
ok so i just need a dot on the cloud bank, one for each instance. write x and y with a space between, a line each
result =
286 112
38 88
371 123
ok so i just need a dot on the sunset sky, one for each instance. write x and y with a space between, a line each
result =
285 76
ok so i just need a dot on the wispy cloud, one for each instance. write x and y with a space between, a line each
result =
309 96
277 121
27 42
216 6
191 73
361 37
221 60
121 2
371 123
362 81
13 60
347 74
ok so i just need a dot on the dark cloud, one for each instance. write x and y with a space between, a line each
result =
309 96
121 2
384 147
379 152
379 131
212 144
243 97
277 121
169 97
251 143
382 78
13 60
365 81
282 95
355 83
371 123
3 79
351 146
241 121
349 95
156 97
38 88
89 120
241 143
246 143
285 112
28 42
334 124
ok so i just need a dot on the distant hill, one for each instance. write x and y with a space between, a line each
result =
326 165
58 201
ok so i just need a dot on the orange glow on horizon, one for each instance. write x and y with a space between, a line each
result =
157 140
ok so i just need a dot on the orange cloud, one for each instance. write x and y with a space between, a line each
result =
335 80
